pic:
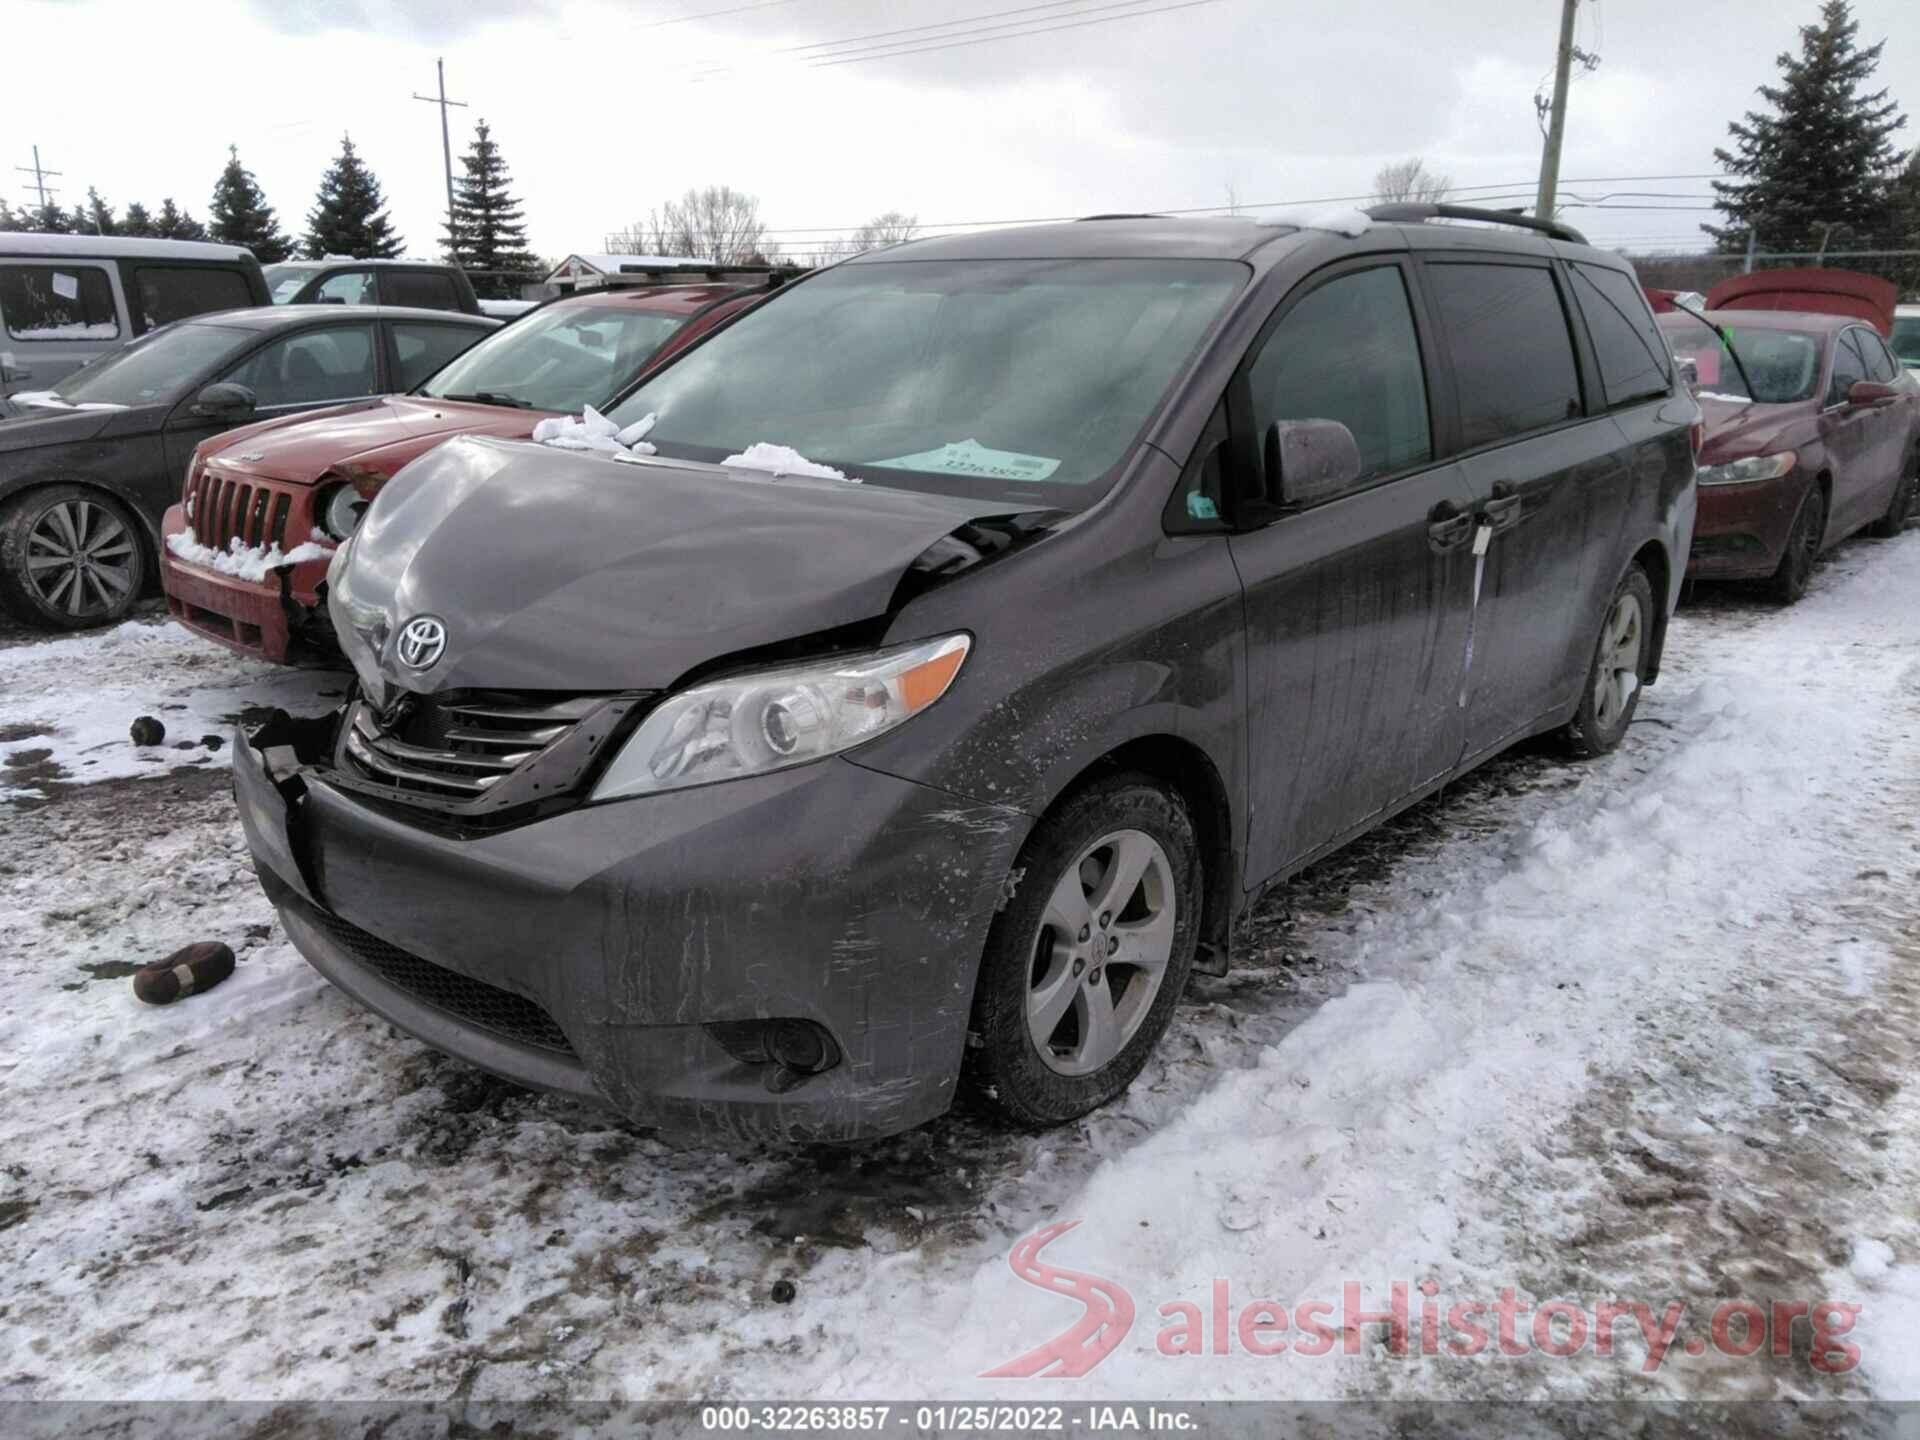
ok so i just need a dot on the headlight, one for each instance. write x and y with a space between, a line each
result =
339 509
768 721
1754 467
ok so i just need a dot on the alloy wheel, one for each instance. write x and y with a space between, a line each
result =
80 559
1617 673
1105 939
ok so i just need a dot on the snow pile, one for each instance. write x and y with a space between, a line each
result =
245 562
1338 219
783 460
594 431
49 400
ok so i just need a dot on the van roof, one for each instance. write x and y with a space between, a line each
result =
114 247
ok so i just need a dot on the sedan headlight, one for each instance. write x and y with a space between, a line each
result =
339 509
776 718
1754 467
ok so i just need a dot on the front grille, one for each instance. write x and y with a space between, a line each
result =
474 1001
223 507
479 752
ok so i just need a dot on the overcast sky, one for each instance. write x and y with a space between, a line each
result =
604 110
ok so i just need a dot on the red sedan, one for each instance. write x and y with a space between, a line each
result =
245 552
1813 433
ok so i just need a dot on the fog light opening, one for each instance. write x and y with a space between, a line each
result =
790 1049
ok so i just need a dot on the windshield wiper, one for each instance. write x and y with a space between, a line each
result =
1725 335
490 397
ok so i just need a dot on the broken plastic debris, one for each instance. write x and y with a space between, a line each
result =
783 460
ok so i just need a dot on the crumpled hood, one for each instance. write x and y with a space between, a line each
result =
560 571
299 449
1736 429
33 427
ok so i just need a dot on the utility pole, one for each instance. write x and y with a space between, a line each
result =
1557 125
446 144
40 177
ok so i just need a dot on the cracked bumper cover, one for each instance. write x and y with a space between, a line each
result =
638 924
267 619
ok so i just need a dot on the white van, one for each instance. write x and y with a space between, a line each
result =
66 298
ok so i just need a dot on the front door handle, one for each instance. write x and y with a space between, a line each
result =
1448 527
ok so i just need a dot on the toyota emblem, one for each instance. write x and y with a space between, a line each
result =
423 641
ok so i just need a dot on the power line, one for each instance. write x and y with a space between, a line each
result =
989 39
715 14
856 40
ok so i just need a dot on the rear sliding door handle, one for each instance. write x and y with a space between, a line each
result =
1502 512
1448 528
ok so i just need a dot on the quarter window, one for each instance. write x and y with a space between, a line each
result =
312 367
1633 362
166 293
1506 338
57 302
1349 352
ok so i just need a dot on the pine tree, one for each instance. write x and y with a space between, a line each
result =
488 231
1812 174
49 219
241 215
99 215
12 220
349 215
1903 224
137 223
174 223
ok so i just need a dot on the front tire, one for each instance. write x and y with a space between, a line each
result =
1618 669
70 557
1084 966
1789 581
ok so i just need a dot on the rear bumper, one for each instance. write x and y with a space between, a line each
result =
1740 531
279 619
621 951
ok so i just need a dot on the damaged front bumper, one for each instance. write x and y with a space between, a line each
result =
282 618
790 955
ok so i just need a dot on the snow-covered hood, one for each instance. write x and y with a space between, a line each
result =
554 570
384 434
1736 427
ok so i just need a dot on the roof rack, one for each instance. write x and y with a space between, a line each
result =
1418 212
1122 215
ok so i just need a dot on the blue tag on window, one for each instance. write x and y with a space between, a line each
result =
1201 507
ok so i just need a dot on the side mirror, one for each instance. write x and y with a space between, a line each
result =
1872 392
1309 460
224 400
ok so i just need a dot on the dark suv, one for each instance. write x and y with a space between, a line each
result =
946 653
342 280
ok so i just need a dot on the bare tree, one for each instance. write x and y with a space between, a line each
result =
891 228
1411 180
717 223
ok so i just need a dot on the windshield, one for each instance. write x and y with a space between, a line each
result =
561 358
1022 379
1906 339
155 369
284 281
1784 364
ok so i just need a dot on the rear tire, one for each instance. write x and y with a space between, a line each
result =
70 557
1900 507
1084 966
1790 579
1617 671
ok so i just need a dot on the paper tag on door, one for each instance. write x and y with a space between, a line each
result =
1482 537
66 286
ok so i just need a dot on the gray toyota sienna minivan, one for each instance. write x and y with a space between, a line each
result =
982 625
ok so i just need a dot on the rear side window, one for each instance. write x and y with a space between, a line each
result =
1849 368
1506 339
55 302
420 288
1349 352
314 366
165 293
349 287
1633 361
423 349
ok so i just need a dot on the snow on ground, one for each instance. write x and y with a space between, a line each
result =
1630 1030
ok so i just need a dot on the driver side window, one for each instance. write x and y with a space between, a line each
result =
1849 367
311 367
1349 352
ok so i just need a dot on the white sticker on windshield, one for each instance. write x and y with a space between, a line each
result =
970 457
66 286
